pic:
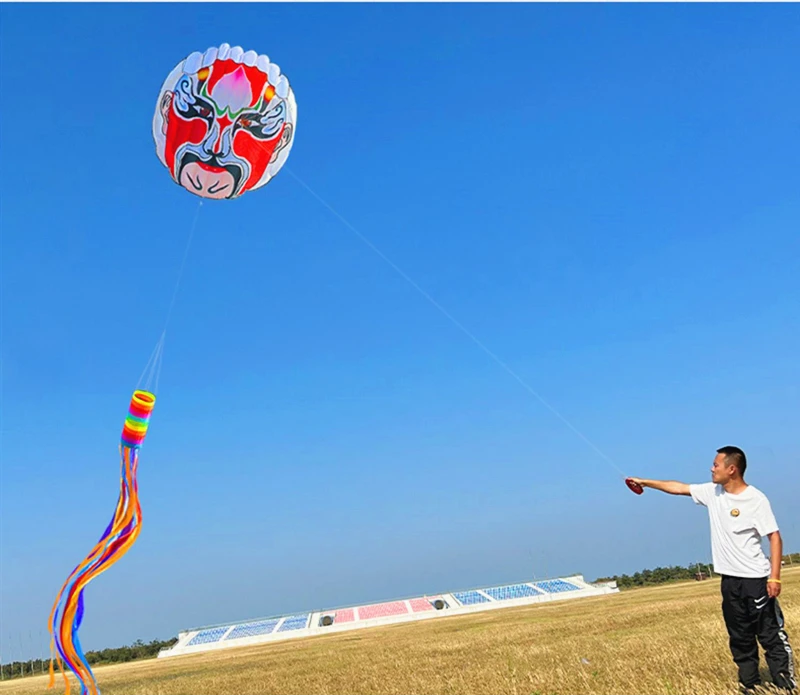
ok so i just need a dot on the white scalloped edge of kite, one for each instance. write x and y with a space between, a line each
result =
195 61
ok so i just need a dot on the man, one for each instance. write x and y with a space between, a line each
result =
740 515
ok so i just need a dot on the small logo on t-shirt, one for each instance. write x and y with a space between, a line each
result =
734 512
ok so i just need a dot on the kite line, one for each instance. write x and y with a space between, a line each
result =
453 320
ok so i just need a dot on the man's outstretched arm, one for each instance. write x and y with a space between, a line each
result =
672 487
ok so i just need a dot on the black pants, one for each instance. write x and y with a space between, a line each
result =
749 614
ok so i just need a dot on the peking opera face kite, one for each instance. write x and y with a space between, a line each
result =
224 124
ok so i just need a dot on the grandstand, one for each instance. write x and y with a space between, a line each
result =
313 623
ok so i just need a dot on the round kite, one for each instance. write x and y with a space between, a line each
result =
224 122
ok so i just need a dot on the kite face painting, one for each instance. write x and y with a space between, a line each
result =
67 612
224 122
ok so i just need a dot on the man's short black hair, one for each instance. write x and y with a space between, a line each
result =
734 456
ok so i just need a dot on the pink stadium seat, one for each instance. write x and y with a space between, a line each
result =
345 616
380 610
421 604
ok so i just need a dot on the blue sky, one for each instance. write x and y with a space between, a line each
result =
608 197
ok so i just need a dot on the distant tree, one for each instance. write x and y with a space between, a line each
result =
660 575
138 650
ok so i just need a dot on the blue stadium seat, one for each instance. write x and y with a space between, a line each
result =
556 586
295 622
213 634
506 593
262 627
470 598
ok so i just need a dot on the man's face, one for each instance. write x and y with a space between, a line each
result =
721 472
223 125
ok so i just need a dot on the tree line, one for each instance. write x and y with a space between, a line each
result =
663 575
140 650
115 655
659 575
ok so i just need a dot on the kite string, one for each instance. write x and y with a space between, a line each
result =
148 368
457 323
154 364
183 265
155 367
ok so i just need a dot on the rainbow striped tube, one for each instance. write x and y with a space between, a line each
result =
135 428
120 535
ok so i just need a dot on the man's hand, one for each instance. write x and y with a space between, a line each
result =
672 487
773 589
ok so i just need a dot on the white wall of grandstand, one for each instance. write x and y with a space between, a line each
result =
263 630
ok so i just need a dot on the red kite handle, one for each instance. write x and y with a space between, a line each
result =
638 489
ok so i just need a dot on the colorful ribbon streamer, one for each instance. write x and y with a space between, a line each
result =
117 539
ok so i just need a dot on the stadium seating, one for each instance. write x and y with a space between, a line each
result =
470 598
381 610
401 610
421 604
261 627
348 615
506 593
295 622
555 586
213 634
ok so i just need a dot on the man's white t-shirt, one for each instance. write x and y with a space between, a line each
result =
738 523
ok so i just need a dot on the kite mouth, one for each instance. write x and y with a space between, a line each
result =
209 177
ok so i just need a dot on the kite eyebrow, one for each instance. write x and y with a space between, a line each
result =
273 120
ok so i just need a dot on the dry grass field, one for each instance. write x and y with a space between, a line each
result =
668 640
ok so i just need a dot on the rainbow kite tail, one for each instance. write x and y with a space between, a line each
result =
66 614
